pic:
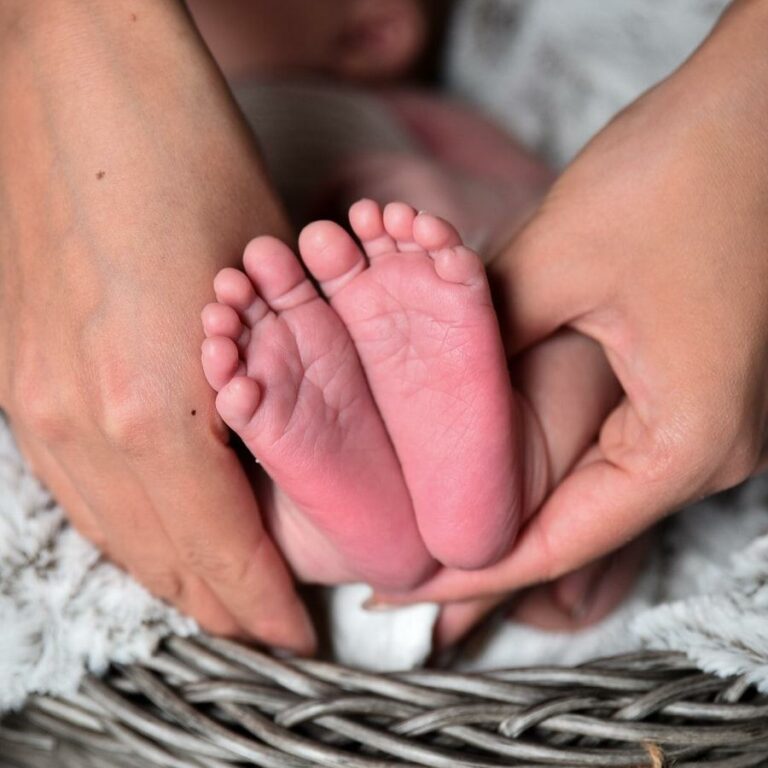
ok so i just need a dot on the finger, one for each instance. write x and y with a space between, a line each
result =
542 282
133 537
457 619
221 361
209 512
112 538
585 596
571 603
60 486
569 389
594 591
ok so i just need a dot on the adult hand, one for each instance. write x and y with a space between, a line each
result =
653 244
127 179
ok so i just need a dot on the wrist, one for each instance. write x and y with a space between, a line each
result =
736 46
717 102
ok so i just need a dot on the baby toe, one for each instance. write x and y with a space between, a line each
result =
221 320
459 265
398 222
237 403
433 233
367 222
232 287
221 361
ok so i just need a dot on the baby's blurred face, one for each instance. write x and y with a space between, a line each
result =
352 39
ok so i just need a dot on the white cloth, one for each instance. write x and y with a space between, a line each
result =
555 71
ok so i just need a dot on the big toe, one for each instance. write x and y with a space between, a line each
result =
331 255
277 274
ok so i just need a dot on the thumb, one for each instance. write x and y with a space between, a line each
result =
543 280
627 481
620 487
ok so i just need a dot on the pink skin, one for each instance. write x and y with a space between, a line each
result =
417 305
290 384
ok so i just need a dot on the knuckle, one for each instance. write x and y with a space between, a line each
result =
705 453
41 415
215 566
741 461
127 427
127 413
165 584
666 455
679 448
34 404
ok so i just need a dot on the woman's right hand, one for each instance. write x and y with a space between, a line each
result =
127 180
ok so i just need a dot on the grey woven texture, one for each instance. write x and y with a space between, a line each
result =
210 703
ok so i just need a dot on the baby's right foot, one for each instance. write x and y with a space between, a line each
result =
418 307
290 384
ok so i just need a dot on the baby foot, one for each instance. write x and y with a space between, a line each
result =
290 384
419 311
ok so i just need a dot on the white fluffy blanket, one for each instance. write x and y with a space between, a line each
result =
552 72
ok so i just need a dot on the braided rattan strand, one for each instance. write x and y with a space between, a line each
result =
209 703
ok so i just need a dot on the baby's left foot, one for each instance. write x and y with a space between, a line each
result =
418 307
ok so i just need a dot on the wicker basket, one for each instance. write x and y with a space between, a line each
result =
211 703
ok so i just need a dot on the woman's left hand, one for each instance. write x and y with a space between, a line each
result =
653 247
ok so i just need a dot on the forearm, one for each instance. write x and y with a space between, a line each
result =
115 108
126 174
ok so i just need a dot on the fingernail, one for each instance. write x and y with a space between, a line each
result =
310 634
578 592
374 604
583 607
301 638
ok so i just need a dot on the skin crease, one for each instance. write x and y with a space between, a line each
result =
653 244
